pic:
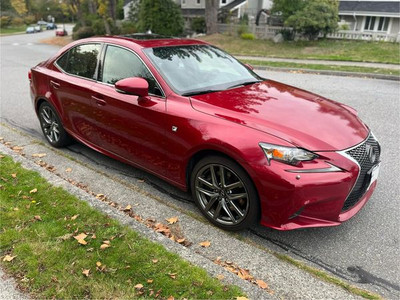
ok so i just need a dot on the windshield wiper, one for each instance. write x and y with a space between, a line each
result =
243 84
200 92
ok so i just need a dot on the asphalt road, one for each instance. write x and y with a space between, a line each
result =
364 250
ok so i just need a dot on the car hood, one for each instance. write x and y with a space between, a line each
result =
301 118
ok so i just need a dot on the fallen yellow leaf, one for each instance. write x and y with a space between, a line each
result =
17 148
86 272
172 220
261 284
155 261
33 191
38 218
40 155
82 242
104 246
205 244
139 286
171 298
180 241
127 208
74 217
220 276
80 236
9 257
68 170
14 175
242 298
150 280
98 264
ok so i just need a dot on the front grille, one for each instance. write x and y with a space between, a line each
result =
362 154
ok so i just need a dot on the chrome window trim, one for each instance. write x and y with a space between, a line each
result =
74 75
106 44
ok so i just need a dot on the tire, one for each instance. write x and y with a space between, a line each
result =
229 201
52 127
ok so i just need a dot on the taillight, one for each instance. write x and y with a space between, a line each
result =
30 75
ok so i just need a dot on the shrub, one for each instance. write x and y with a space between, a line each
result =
5 21
83 32
128 27
248 36
288 34
243 28
29 19
17 21
198 25
344 27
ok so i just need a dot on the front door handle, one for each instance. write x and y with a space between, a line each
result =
99 101
54 84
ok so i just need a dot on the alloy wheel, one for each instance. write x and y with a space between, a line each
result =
50 125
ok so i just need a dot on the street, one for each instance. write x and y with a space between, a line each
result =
365 250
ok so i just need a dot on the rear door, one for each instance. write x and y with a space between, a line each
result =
71 85
127 125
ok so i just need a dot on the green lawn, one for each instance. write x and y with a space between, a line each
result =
318 67
53 244
324 49
10 30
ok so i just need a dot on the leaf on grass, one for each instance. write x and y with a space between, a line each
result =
80 236
2 156
150 280
33 191
93 236
172 220
127 208
171 298
104 246
139 286
15 209
154 261
98 264
14 175
74 217
82 242
106 242
172 275
40 155
86 272
9 258
68 170
38 218
242 298
205 244
262 284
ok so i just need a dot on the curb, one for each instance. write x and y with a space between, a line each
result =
332 73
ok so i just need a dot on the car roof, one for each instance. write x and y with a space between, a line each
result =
149 40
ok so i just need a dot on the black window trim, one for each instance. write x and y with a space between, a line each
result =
101 65
97 64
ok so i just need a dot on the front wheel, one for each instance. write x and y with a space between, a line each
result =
51 126
224 193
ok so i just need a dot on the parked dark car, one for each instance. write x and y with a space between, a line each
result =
30 29
38 28
249 149
51 26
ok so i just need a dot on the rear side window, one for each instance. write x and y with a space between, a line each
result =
81 60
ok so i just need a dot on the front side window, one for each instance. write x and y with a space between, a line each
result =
81 60
120 63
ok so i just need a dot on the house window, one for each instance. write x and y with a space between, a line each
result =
198 2
376 24
223 1
183 2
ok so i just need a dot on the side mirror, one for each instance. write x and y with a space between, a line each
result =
134 86
249 66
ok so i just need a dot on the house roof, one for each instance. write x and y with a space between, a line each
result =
390 7
233 4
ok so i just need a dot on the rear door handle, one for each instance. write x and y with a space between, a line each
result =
99 101
54 84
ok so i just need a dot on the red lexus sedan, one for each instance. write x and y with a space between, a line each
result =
249 149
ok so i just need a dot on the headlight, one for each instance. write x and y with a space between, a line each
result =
287 155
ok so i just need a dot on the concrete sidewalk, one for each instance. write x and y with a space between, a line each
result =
321 62
285 280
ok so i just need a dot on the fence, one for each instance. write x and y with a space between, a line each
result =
268 32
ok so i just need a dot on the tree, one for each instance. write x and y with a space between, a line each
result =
317 16
160 16
287 8
211 15
19 6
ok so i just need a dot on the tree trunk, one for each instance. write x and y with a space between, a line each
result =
212 16
107 26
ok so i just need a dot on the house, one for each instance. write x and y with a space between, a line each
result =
371 16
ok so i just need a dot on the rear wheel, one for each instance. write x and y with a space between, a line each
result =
224 193
51 126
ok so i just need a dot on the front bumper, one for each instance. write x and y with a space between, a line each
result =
298 200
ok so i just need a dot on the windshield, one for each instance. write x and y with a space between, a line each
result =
196 69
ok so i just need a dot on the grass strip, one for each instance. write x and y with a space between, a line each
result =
39 225
318 67
328 49
11 30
